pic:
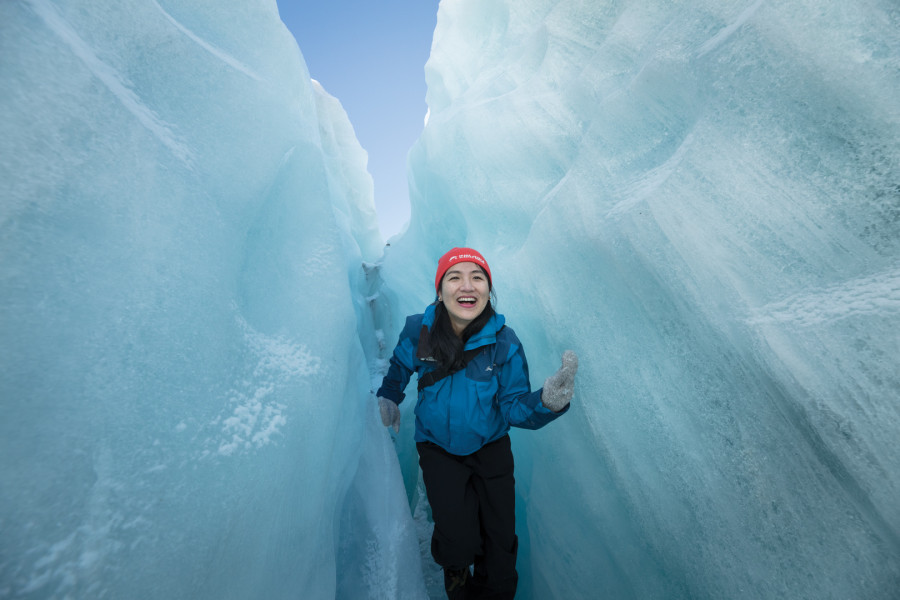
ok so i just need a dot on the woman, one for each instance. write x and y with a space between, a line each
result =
473 385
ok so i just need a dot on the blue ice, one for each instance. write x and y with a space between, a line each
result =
700 198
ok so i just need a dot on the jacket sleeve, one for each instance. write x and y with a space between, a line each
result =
520 406
402 364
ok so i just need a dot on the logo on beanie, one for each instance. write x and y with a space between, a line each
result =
467 257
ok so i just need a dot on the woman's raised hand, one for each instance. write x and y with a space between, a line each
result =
559 387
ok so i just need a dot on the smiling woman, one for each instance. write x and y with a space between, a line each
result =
473 386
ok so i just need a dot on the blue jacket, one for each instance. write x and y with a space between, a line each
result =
473 407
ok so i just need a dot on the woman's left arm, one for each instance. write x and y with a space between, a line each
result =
519 405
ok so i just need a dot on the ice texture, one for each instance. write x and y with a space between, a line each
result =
702 200
186 340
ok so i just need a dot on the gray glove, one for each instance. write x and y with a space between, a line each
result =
559 387
390 413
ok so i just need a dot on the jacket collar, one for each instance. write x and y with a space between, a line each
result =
487 335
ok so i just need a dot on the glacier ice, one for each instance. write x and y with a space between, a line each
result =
700 198
185 340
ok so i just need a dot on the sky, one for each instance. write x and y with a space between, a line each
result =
371 56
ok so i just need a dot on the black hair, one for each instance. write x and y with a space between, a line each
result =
446 345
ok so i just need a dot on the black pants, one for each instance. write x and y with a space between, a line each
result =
473 504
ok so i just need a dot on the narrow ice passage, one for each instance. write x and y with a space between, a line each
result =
196 305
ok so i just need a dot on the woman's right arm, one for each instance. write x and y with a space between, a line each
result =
402 364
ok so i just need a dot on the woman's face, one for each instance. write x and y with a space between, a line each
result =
465 292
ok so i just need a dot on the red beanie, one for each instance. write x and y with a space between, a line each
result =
458 255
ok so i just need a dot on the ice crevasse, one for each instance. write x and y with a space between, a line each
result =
700 198
184 317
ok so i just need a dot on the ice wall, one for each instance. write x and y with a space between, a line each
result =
701 198
185 387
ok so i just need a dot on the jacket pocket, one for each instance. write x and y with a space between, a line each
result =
481 368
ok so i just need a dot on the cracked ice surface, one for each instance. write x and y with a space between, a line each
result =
701 199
